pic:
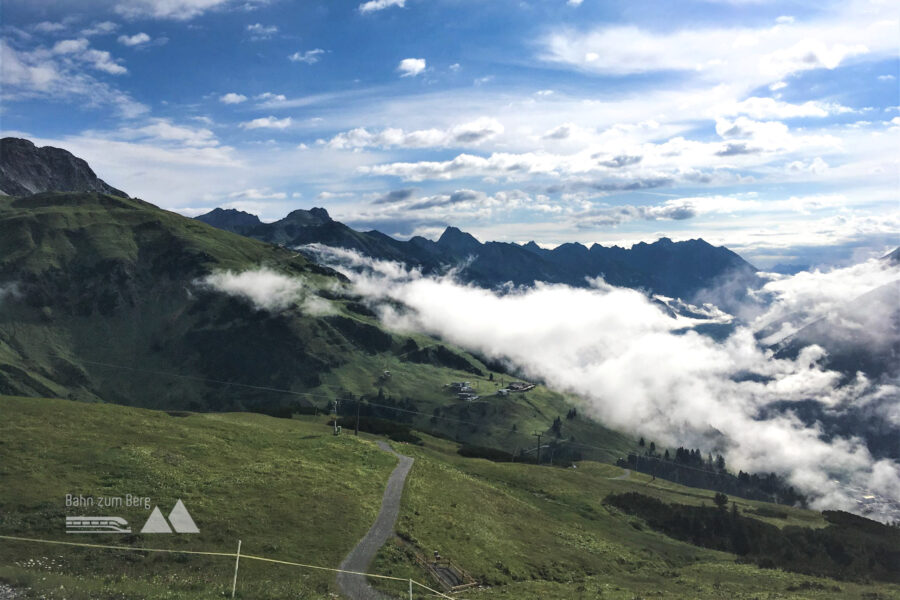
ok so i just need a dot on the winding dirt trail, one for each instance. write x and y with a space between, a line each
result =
355 587
624 475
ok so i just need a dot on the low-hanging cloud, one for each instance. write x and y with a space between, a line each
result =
268 290
9 290
638 370
791 302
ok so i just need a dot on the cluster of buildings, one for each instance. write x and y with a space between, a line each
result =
465 391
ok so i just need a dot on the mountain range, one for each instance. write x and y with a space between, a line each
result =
94 235
678 269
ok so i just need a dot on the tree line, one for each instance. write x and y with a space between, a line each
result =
850 547
689 467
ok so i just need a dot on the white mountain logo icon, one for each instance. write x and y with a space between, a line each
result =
180 519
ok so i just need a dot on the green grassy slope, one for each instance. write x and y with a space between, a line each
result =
287 488
291 490
541 533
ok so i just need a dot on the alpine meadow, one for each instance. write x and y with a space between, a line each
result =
408 299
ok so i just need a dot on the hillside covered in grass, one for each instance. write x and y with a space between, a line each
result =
104 298
291 490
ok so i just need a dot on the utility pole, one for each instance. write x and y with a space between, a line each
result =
538 435
356 433
237 561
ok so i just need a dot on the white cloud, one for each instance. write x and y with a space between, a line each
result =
60 75
465 134
309 57
134 40
48 27
810 295
164 131
270 97
376 5
596 344
179 10
232 98
574 2
806 55
102 28
815 166
268 290
770 136
700 206
410 67
79 49
745 57
258 194
9 290
328 195
258 31
267 123
610 154
768 108
451 205
71 46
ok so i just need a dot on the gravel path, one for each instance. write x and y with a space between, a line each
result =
624 475
356 587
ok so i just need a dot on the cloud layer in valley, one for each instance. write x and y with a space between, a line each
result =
599 343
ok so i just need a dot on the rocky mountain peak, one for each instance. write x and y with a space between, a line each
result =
27 169
455 240
313 216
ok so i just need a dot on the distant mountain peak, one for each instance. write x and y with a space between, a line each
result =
232 212
230 219
893 257
27 169
456 240
313 216
572 246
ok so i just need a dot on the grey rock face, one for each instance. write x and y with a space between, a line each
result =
26 169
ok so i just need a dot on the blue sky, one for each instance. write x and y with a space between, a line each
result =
769 127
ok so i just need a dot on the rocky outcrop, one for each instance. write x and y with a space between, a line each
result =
26 169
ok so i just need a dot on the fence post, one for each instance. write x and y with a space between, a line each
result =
237 560
410 589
